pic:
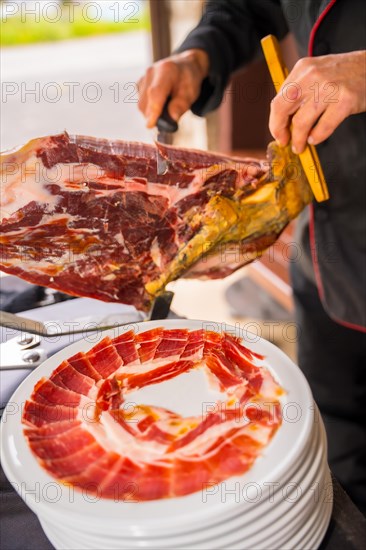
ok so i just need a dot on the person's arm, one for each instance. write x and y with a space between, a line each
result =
227 37
318 94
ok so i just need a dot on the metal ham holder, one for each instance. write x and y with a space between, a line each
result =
26 351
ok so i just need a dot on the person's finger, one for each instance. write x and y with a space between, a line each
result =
182 98
302 123
141 87
158 91
178 106
282 136
283 106
327 123
279 125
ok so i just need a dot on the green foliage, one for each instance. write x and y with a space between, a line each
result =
14 31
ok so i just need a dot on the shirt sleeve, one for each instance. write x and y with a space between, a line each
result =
230 33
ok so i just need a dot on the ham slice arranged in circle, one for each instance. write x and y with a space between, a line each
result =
85 430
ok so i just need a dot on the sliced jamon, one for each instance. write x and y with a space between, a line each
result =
194 347
212 340
64 444
124 420
74 463
82 364
222 368
158 434
229 459
208 422
55 394
236 342
104 358
109 395
91 217
242 358
84 430
172 344
39 399
126 348
37 414
147 343
153 481
159 374
67 376
147 423
188 475
51 430
101 472
267 414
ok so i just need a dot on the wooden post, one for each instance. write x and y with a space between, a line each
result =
160 28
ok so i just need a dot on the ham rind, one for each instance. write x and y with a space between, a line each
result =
83 429
91 217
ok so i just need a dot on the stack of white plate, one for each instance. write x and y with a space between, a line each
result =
283 501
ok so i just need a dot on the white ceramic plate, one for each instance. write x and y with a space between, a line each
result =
271 517
48 498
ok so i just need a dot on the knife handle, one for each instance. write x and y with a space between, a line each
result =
165 122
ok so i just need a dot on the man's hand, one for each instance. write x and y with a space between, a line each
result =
179 76
318 94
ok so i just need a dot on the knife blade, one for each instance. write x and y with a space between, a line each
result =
166 127
161 306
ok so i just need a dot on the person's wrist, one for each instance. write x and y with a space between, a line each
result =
200 59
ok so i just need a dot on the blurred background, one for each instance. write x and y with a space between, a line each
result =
73 65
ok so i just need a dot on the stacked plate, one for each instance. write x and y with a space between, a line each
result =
283 501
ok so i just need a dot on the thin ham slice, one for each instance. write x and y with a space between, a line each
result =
105 358
126 348
67 376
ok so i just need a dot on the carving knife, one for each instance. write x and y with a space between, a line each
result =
161 306
166 127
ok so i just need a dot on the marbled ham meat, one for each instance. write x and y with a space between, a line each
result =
84 430
91 217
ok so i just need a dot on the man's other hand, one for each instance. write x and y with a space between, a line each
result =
318 94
